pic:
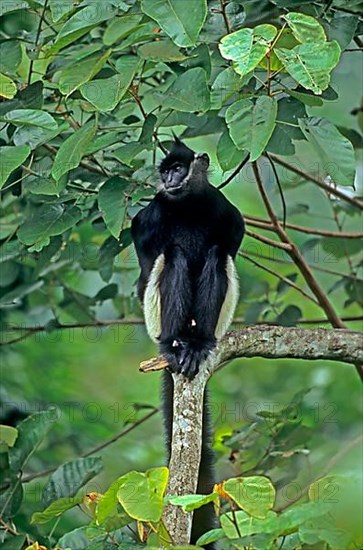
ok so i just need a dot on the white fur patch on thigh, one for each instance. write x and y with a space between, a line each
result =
152 303
230 301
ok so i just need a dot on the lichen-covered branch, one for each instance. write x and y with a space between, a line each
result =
273 342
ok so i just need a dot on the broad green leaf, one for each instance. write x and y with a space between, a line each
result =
31 117
342 28
73 77
47 220
227 83
6 7
14 296
35 136
141 494
120 27
305 28
290 316
10 159
81 23
247 47
112 203
211 536
8 435
70 477
335 150
43 186
247 525
251 125
10 56
311 64
254 494
31 433
127 153
189 92
59 8
109 250
8 87
325 488
107 505
11 495
106 93
308 99
56 509
227 154
71 151
30 97
287 129
182 20
161 50
192 502
15 543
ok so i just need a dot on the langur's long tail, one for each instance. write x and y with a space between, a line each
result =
204 518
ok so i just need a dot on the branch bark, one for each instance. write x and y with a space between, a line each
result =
273 342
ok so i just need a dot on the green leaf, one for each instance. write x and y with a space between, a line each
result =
311 64
31 433
31 117
43 186
192 502
45 221
10 159
56 509
251 125
227 154
10 56
188 93
71 151
75 75
305 28
81 23
307 99
247 525
15 543
30 97
60 8
8 87
109 250
70 477
112 203
287 129
19 291
141 494
120 27
247 47
342 28
254 494
106 93
161 50
8 435
290 316
227 83
182 20
335 150
211 536
35 136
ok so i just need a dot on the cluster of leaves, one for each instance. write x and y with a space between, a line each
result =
87 90
328 515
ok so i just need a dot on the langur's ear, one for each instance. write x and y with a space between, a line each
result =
203 159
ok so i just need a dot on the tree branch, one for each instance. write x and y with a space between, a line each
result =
333 190
272 342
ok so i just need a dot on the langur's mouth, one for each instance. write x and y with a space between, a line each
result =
174 190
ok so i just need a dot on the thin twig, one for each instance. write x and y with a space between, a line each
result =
266 224
333 190
234 173
279 276
300 262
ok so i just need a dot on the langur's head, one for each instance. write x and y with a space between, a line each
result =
182 171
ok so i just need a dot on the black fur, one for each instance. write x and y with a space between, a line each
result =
196 228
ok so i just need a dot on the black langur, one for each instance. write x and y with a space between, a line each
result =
186 240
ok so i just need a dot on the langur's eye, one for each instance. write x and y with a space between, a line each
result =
177 168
